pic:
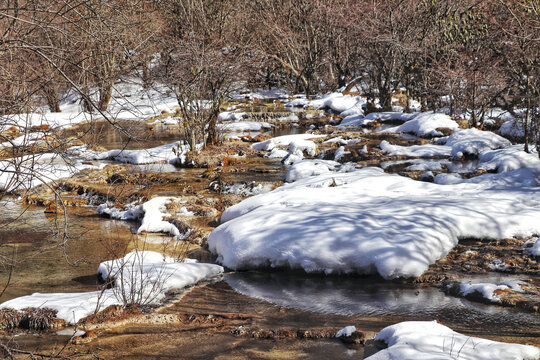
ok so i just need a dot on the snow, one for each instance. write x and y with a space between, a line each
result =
305 168
366 221
151 215
248 189
419 340
153 222
534 250
141 275
498 265
485 289
273 93
276 154
343 104
130 101
346 331
340 152
231 116
29 171
244 126
339 140
514 129
474 141
162 153
303 146
360 120
425 124
508 159
354 120
427 150
270 144
527 177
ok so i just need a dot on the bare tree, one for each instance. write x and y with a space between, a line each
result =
204 58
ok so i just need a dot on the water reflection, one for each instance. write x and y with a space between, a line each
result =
374 297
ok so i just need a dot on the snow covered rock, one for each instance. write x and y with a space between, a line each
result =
303 146
426 124
306 168
419 340
427 150
151 215
508 159
534 250
474 141
244 126
270 144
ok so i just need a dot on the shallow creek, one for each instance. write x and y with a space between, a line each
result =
367 302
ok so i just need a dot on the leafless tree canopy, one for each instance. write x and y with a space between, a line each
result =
475 53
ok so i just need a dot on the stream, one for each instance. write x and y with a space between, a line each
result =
93 239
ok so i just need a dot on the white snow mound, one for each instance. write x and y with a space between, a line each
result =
366 221
426 124
425 340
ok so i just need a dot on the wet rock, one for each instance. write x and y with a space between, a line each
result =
357 337
445 131
30 319
54 209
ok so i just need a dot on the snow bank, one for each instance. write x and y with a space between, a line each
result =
270 144
485 289
29 171
130 101
426 124
418 340
303 146
346 331
151 215
230 116
360 120
508 159
247 189
474 141
514 129
339 140
367 221
335 101
244 126
534 250
163 153
276 154
354 120
514 168
427 150
143 276
306 168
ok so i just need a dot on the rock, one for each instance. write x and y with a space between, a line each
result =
445 131
357 337
43 127
261 137
54 209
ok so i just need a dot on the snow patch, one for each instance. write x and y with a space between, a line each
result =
425 340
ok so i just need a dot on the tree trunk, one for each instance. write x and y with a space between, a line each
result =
52 99
105 94
527 116
385 98
213 138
